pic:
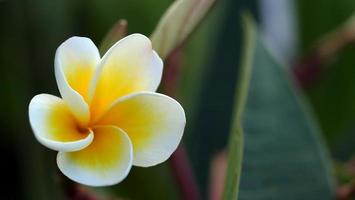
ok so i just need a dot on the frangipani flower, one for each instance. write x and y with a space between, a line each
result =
109 117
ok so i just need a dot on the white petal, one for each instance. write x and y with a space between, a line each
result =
54 126
75 62
129 66
154 122
106 161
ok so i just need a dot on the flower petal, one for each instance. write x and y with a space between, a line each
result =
129 66
106 161
154 122
54 126
75 62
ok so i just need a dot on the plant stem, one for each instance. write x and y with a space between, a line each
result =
310 66
179 161
78 192
183 174
346 192
117 32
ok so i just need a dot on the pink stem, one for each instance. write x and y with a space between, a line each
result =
308 70
183 174
179 161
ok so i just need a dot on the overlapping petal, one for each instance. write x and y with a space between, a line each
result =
75 62
129 66
154 123
106 161
54 125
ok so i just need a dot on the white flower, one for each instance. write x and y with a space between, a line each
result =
109 117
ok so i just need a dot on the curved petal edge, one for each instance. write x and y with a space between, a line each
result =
54 126
154 122
106 161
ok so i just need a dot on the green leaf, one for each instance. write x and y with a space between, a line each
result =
236 138
207 85
177 23
284 155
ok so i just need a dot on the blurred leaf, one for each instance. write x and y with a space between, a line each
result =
210 70
333 94
284 155
236 141
177 23
117 32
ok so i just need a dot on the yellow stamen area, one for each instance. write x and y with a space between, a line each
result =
79 77
116 80
62 126
137 119
103 153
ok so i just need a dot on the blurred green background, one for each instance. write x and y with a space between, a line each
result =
31 30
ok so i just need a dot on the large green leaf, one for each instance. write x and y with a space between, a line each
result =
284 155
207 84
236 138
